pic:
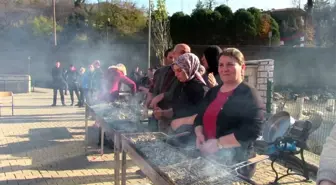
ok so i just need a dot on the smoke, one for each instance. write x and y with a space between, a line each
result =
78 47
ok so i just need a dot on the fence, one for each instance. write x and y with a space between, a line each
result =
310 108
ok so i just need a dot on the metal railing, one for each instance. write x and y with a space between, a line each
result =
304 110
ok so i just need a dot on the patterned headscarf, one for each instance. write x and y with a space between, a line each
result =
190 64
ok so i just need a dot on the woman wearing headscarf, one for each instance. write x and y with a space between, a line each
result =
113 78
188 97
210 61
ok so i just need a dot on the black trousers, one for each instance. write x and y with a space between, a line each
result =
61 91
73 90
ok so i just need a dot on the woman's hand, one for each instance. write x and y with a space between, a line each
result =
209 147
200 139
212 80
156 100
158 113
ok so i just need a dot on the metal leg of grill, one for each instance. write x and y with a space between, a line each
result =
117 158
102 133
123 168
86 127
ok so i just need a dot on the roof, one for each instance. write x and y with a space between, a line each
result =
288 11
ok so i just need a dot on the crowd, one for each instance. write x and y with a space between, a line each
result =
205 97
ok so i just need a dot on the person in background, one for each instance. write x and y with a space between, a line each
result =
202 70
326 174
210 61
158 79
168 57
58 83
189 96
114 76
80 85
97 78
87 84
72 77
147 81
167 79
135 75
66 87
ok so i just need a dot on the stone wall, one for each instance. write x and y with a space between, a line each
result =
257 73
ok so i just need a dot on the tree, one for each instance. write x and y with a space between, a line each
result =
245 27
210 4
199 5
160 27
122 18
43 26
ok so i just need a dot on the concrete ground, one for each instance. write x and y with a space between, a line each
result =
41 144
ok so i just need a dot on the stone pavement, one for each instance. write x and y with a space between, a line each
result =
44 145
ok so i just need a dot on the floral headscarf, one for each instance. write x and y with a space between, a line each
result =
190 64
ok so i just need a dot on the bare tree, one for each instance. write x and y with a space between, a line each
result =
160 25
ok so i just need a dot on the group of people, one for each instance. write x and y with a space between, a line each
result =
205 97
83 83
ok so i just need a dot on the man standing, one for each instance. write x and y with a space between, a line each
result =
97 78
58 83
72 77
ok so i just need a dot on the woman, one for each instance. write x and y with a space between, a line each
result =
210 61
189 96
114 76
230 118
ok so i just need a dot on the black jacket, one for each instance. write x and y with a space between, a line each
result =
241 115
57 78
187 98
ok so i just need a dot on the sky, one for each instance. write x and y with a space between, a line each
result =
187 5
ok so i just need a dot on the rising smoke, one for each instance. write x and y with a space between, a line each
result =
17 43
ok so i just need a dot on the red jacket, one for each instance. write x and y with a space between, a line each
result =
114 78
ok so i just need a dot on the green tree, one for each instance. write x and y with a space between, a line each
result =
180 28
120 17
160 28
210 4
43 26
245 27
199 5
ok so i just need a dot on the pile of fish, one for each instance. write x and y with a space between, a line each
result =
179 168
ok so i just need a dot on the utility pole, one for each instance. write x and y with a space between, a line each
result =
149 31
54 22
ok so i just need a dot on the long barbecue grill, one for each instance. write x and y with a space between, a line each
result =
167 165
162 162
